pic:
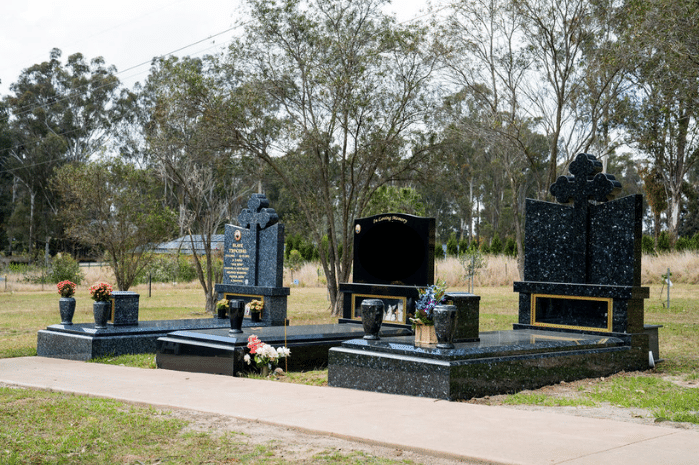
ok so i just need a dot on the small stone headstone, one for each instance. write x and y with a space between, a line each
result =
254 251
253 261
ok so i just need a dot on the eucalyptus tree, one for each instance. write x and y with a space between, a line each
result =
184 140
59 113
346 87
488 61
661 38
116 207
6 179
558 34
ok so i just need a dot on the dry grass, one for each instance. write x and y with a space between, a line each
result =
684 267
498 271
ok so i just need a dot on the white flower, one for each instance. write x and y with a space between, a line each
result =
247 358
283 352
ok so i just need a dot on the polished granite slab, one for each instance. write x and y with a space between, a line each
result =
82 341
219 352
500 362
491 344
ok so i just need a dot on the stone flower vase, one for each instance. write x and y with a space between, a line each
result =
255 317
372 317
66 305
220 312
444 325
236 312
102 309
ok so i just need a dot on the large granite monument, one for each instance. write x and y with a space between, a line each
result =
580 310
582 266
393 257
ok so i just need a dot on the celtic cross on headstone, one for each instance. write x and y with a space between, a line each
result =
257 214
586 183
256 218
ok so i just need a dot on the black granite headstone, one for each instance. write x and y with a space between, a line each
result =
254 251
574 255
393 258
395 249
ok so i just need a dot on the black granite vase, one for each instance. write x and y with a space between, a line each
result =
372 317
255 317
101 309
66 305
236 312
220 312
444 325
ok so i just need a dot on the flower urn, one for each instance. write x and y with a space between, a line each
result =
236 313
66 306
101 309
445 325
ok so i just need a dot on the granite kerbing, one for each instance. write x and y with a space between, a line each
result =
218 352
501 362
83 342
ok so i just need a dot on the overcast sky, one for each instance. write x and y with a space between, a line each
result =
126 33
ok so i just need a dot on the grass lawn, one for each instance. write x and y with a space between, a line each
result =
40 427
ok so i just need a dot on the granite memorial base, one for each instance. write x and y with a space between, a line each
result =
501 362
218 352
83 342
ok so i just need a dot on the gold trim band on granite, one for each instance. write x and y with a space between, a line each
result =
111 314
259 297
404 300
610 307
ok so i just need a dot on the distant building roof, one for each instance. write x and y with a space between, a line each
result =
184 244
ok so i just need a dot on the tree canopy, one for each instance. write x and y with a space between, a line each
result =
338 111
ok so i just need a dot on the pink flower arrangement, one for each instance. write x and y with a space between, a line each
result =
101 292
264 354
66 288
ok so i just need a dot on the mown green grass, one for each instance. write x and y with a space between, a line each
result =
23 314
665 400
133 360
54 428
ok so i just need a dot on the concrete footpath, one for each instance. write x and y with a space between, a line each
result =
449 429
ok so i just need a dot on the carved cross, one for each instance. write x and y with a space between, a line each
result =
257 213
586 183
257 217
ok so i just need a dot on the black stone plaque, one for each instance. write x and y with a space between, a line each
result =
394 249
